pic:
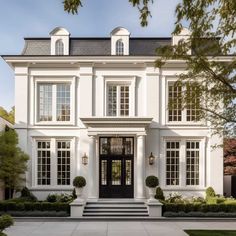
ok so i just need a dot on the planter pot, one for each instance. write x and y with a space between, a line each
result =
78 192
152 193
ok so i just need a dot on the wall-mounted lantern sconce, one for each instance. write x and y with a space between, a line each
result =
84 159
151 159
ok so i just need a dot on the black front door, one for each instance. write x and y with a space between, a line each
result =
116 168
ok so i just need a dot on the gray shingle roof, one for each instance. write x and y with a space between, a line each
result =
95 46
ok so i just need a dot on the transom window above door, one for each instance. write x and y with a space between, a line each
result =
118 100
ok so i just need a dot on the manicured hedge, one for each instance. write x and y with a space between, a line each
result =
204 208
34 206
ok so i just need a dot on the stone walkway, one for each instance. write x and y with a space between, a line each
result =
113 228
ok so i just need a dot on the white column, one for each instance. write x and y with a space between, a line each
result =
140 167
91 168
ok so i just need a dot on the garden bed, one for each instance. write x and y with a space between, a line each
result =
198 210
37 209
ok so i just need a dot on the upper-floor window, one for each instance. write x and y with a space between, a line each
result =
118 100
54 102
59 47
119 48
177 111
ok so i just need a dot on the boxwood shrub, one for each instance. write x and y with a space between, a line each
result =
34 206
198 207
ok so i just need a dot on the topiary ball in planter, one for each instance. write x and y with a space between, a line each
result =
79 182
152 181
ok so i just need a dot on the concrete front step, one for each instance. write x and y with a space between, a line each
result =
127 206
115 202
115 208
115 214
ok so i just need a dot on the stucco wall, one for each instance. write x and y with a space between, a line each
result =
88 96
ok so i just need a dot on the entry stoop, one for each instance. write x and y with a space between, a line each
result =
115 209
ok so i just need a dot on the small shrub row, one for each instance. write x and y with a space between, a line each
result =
199 214
198 207
33 206
37 213
66 198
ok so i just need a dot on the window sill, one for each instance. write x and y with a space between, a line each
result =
60 123
52 188
186 123
183 188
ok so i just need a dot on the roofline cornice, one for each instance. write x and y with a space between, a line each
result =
12 59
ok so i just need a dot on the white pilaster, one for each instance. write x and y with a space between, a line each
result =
140 167
91 168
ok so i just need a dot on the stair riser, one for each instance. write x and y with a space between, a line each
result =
115 209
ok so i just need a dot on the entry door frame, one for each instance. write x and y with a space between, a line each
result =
121 157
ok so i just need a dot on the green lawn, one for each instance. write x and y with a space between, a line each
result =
211 232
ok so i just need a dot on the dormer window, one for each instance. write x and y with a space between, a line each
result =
120 41
60 41
119 48
59 47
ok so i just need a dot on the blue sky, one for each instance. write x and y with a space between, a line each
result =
36 18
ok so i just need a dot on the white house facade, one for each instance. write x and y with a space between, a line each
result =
97 107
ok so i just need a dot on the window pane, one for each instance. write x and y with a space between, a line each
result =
128 172
116 172
193 103
63 162
112 100
43 158
59 47
175 104
45 102
119 48
192 163
104 172
124 100
172 163
63 102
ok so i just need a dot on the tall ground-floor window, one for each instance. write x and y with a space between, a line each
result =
44 163
192 163
54 162
172 163
63 162
182 160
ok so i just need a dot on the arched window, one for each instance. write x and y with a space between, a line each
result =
59 47
119 48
